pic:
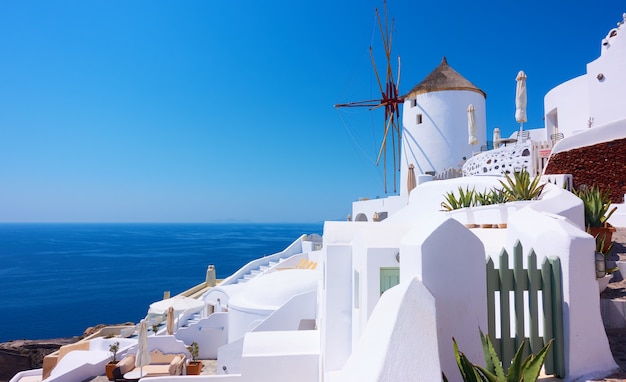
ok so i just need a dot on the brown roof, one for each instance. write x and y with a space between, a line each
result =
443 78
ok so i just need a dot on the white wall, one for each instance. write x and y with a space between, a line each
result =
210 333
390 205
441 140
450 262
606 94
400 341
604 133
598 94
281 357
336 326
570 103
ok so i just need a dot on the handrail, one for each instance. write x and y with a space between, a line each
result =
292 249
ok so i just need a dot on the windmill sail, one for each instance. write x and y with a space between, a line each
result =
389 100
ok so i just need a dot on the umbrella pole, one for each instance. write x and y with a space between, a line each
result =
520 136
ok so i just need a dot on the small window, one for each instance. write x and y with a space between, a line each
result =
414 102
419 119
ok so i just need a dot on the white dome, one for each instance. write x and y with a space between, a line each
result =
271 291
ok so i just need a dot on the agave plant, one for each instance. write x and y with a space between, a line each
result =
483 198
521 186
497 196
597 205
526 370
466 198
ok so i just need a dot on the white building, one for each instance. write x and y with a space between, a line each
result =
594 98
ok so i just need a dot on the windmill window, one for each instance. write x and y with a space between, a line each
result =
413 102
419 119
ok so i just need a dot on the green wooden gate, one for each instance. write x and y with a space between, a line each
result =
523 287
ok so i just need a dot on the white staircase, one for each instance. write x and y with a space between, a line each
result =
260 270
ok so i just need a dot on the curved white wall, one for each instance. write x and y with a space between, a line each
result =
607 79
594 98
567 106
441 141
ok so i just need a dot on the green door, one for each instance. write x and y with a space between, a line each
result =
389 277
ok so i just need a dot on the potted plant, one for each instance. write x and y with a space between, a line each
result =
604 267
109 367
597 211
194 367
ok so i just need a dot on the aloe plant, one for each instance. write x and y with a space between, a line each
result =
521 186
526 370
597 205
466 198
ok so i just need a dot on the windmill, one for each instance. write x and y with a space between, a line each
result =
389 100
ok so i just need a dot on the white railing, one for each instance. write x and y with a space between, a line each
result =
293 249
449 173
509 159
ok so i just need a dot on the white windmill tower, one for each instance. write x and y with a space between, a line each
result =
435 135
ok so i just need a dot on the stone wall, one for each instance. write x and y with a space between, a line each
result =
602 165
16 356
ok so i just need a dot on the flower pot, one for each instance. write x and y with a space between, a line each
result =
606 231
603 282
108 368
194 368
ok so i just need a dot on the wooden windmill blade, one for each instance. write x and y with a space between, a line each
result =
390 101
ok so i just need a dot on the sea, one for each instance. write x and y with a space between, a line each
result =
58 279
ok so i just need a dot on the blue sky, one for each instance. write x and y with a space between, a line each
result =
199 111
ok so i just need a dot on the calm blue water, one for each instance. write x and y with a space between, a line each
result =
58 279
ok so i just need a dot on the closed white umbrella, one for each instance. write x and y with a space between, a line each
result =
142 357
170 321
471 125
496 137
520 102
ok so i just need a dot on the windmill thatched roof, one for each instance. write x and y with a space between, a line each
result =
443 78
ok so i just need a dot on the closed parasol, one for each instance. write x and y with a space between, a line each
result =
520 102
142 358
170 320
496 137
471 125
410 181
